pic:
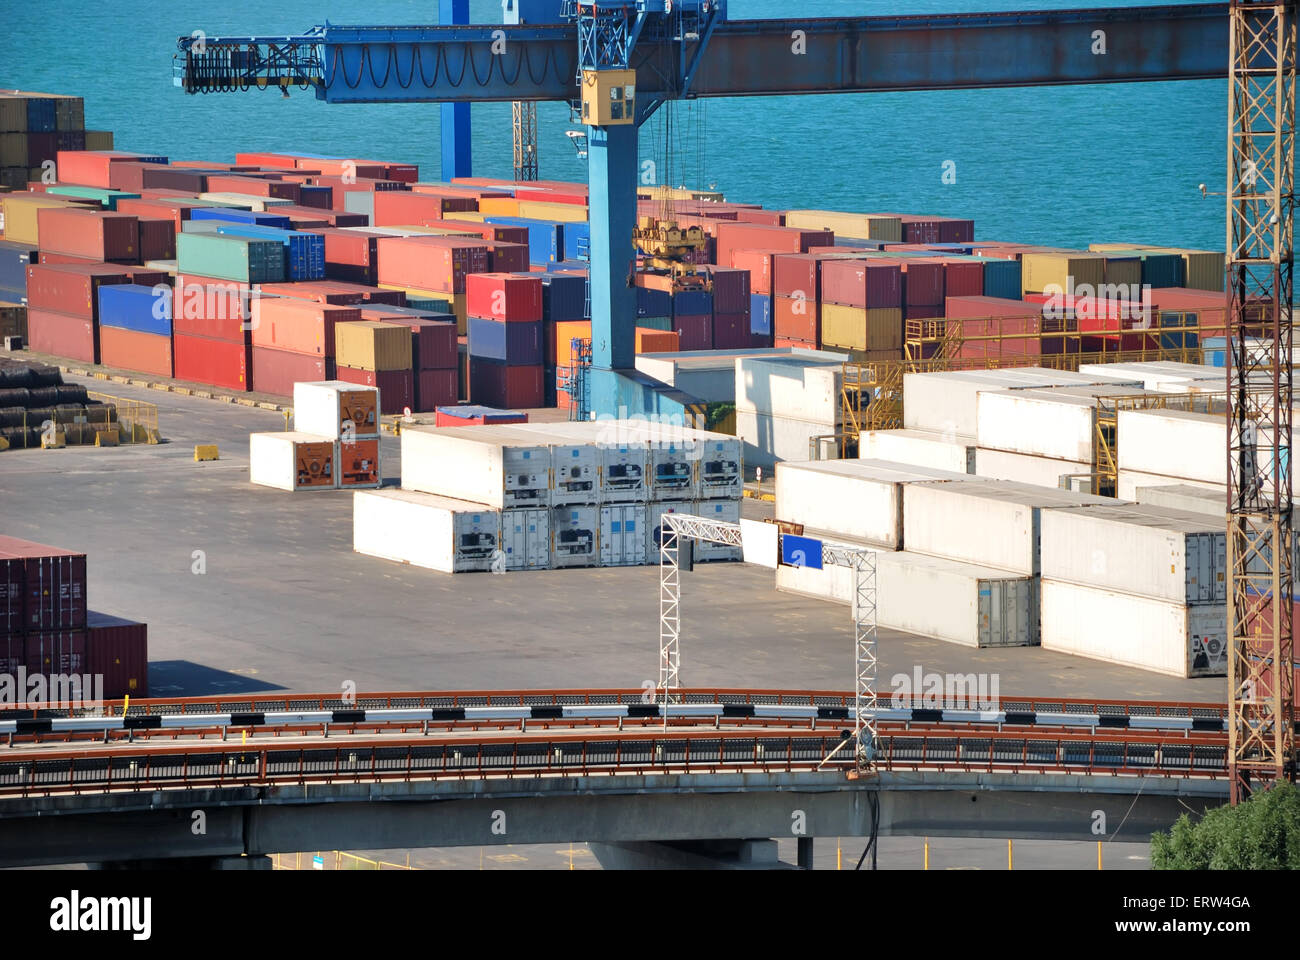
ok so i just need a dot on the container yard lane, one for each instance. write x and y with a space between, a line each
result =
249 589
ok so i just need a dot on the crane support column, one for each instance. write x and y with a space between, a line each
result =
456 137
611 164
1261 200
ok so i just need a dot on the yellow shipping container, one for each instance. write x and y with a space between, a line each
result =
469 215
1122 269
1110 247
1205 268
372 345
864 226
20 215
13 149
1065 270
857 328
498 207
99 139
558 212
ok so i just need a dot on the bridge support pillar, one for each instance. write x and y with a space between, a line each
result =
690 855
805 854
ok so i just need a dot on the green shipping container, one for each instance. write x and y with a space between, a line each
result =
655 323
230 258
107 198
429 303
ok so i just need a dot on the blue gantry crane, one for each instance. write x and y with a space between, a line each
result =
618 61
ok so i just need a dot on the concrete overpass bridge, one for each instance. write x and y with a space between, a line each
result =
705 780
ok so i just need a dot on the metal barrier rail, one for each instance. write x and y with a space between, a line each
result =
220 766
612 696
137 419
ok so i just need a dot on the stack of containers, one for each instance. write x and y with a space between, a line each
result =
861 307
1139 585
348 414
564 300
89 235
435 367
547 495
294 341
135 328
467 414
692 312
796 301
923 279
63 307
378 354
34 127
212 326
42 611
432 266
731 308
782 402
505 317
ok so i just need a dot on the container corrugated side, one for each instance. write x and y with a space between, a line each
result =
1150 551
919 448
794 388
1183 496
118 650
1173 443
292 461
476 464
329 407
1155 635
1022 468
424 530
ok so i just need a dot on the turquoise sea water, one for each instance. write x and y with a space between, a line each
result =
1062 166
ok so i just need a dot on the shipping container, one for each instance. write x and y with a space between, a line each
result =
861 499
918 448
526 538
856 328
62 335
497 384
1061 422
1156 635
396 387
1130 481
22 215
503 470
462 415
995 523
54 584
982 606
435 387
219 363
439 533
575 461
1064 271
276 371
118 650
1025 468
725 511
1185 497
215 309
623 456
134 307
622 535
136 351
793 387
438 264
86 233
1174 443
769 439
301 326
292 461
358 463
373 345
866 226
433 336
230 258
575 530
157 239
93 168
513 343
1149 551
335 408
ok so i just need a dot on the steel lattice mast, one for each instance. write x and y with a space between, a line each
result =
1261 143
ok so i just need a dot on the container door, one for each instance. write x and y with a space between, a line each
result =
1207 641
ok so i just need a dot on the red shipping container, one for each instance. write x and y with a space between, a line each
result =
1208 307
759 265
276 371
358 462
445 418
302 326
922 283
963 278
83 233
396 387
90 168
731 331
71 288
435 387
12 654
734 235
760 341
13 578
493 232
796 319
398 207
254 186
54 591
118 650
135 351
792 343
157 240
508 257
62 335
336 293
218 363
495 384
432 263
64 258
350 167
351 256
772 218
57 652
178 211
696 333
208 307
501 296
869 284
730 289
922 311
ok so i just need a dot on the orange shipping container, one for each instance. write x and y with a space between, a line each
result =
135 351
650 340
565 332
300 326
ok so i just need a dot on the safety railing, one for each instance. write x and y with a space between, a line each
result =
157 767
137 419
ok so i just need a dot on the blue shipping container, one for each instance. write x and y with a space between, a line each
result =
15 258
653 303
545 239
564 297
131 306
577 241
41 115
1001 278
514 343
304 253
240 216
473 411
692 303
314 190
760 314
